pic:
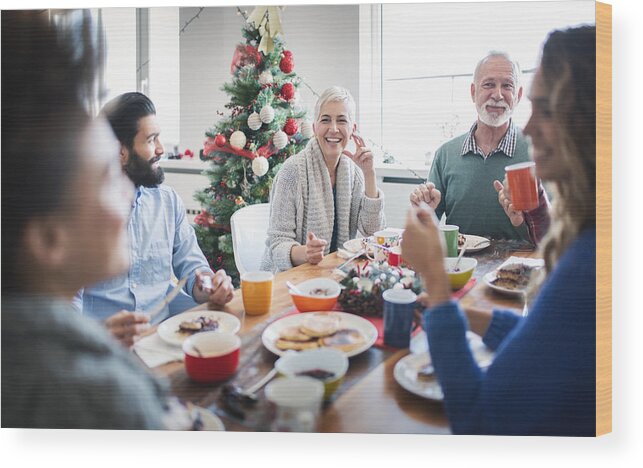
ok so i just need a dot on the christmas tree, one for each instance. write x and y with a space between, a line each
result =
266 125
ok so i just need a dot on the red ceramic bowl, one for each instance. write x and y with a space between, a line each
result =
219 356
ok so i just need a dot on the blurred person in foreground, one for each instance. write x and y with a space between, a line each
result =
542 380
161 241
324 194
65 203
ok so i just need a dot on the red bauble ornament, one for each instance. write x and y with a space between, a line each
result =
291 127
219 140
287 65
288 91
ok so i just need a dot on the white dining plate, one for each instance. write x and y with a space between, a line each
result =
489 279
273 332
475 243
406 369
209 420
169 329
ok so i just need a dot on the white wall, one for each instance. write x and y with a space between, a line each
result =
120 68
164 73
323 39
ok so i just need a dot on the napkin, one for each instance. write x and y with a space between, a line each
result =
532 262
154 352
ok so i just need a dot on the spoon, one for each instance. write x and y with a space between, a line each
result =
457 262
294 289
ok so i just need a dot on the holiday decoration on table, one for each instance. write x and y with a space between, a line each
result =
249 143
364 285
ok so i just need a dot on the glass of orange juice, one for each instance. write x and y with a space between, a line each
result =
256 291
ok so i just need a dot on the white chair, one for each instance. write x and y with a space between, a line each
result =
249 227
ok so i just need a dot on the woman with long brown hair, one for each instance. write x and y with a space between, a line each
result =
542 381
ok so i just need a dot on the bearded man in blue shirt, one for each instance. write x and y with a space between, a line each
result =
162 242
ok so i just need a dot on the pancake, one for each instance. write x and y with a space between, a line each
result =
319 325
293 334
346 339
285 345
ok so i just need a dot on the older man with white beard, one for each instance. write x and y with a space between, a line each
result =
465 176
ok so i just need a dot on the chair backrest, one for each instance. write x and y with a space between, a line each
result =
249 227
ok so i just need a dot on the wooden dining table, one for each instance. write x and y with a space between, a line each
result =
369 399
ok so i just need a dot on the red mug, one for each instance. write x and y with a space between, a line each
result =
211 356
521 179
395 256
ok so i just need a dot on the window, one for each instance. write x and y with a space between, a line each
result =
417 61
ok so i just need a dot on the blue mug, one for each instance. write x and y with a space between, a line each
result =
399 308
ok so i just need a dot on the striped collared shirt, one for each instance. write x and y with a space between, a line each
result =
507 145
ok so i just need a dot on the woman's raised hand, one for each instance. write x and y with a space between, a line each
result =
363 156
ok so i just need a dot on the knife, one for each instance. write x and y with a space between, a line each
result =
161 305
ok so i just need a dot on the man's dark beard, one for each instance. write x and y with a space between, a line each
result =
140 171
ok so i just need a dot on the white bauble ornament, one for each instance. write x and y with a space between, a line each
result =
267 114
260 166
238 139
280 139
254 121
307 129
265 77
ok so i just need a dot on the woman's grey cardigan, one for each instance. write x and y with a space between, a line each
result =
301 201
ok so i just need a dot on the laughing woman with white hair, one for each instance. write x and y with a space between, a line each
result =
324 194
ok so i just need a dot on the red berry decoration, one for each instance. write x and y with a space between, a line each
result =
288 91
219 140
291 127
287 65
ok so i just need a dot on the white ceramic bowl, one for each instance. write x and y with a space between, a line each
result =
325 359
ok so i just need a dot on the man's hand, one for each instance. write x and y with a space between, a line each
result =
215 288
426 193
314 249
127 327
504 198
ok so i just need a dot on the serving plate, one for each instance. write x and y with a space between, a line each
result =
273 332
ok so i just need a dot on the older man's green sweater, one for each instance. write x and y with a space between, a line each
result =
469 198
